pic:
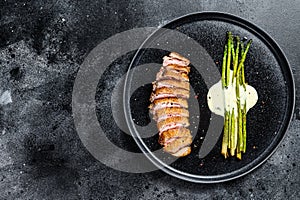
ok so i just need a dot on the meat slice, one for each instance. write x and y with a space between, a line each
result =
176 59
166 92
173 84
169 105
169 73
179 57
178 68
183 152
168 135
175 121
170 112
177 144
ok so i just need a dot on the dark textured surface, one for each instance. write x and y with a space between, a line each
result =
42 46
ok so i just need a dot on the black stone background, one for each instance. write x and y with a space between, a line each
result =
43 43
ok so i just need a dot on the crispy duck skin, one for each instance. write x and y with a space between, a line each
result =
169 105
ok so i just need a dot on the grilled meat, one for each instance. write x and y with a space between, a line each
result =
166 92
171 134
172 122
169 112
169 105
170 73
173 84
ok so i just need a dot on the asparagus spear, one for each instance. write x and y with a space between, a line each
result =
239 117
226 120
228 58
244 55
244 128
224 68
243 76
231 114
240 129
243 110
229 130
234 138
236 58
225 136
242 48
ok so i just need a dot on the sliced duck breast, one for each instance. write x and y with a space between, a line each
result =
166 92
170 112
172 122
169 105
177 144
169 73
173 84
168 135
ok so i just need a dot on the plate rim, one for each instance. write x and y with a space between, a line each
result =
269 151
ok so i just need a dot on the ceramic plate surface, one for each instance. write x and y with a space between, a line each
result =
267 70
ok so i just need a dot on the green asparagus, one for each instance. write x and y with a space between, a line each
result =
235 133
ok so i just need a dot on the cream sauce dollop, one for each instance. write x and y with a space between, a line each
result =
219 98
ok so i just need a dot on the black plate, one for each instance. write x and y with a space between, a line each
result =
267 70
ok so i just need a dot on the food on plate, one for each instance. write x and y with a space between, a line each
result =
169 105
232 97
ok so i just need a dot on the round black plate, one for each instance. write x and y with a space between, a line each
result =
267 70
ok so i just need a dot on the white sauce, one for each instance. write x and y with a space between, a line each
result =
217 102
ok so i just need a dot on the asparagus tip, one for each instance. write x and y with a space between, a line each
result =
249 42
